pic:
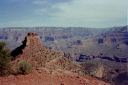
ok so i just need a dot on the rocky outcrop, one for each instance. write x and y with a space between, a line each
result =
33 51
48 65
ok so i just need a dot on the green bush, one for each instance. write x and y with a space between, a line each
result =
5 59
24 67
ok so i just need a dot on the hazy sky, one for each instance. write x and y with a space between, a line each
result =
83 13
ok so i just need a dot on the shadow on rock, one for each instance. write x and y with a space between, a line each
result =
121 79
18 50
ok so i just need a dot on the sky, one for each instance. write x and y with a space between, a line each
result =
63 13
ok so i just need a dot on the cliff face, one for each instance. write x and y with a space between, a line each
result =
48 66
33 51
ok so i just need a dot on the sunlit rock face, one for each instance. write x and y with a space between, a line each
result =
33 51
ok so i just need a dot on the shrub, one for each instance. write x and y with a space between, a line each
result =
24 67
5 59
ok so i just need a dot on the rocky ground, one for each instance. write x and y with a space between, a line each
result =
42 77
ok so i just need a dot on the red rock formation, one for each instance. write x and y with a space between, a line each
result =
43 62
35 52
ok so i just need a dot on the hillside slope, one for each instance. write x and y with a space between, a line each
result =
49 67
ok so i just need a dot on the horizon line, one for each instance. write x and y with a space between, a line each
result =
19 27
